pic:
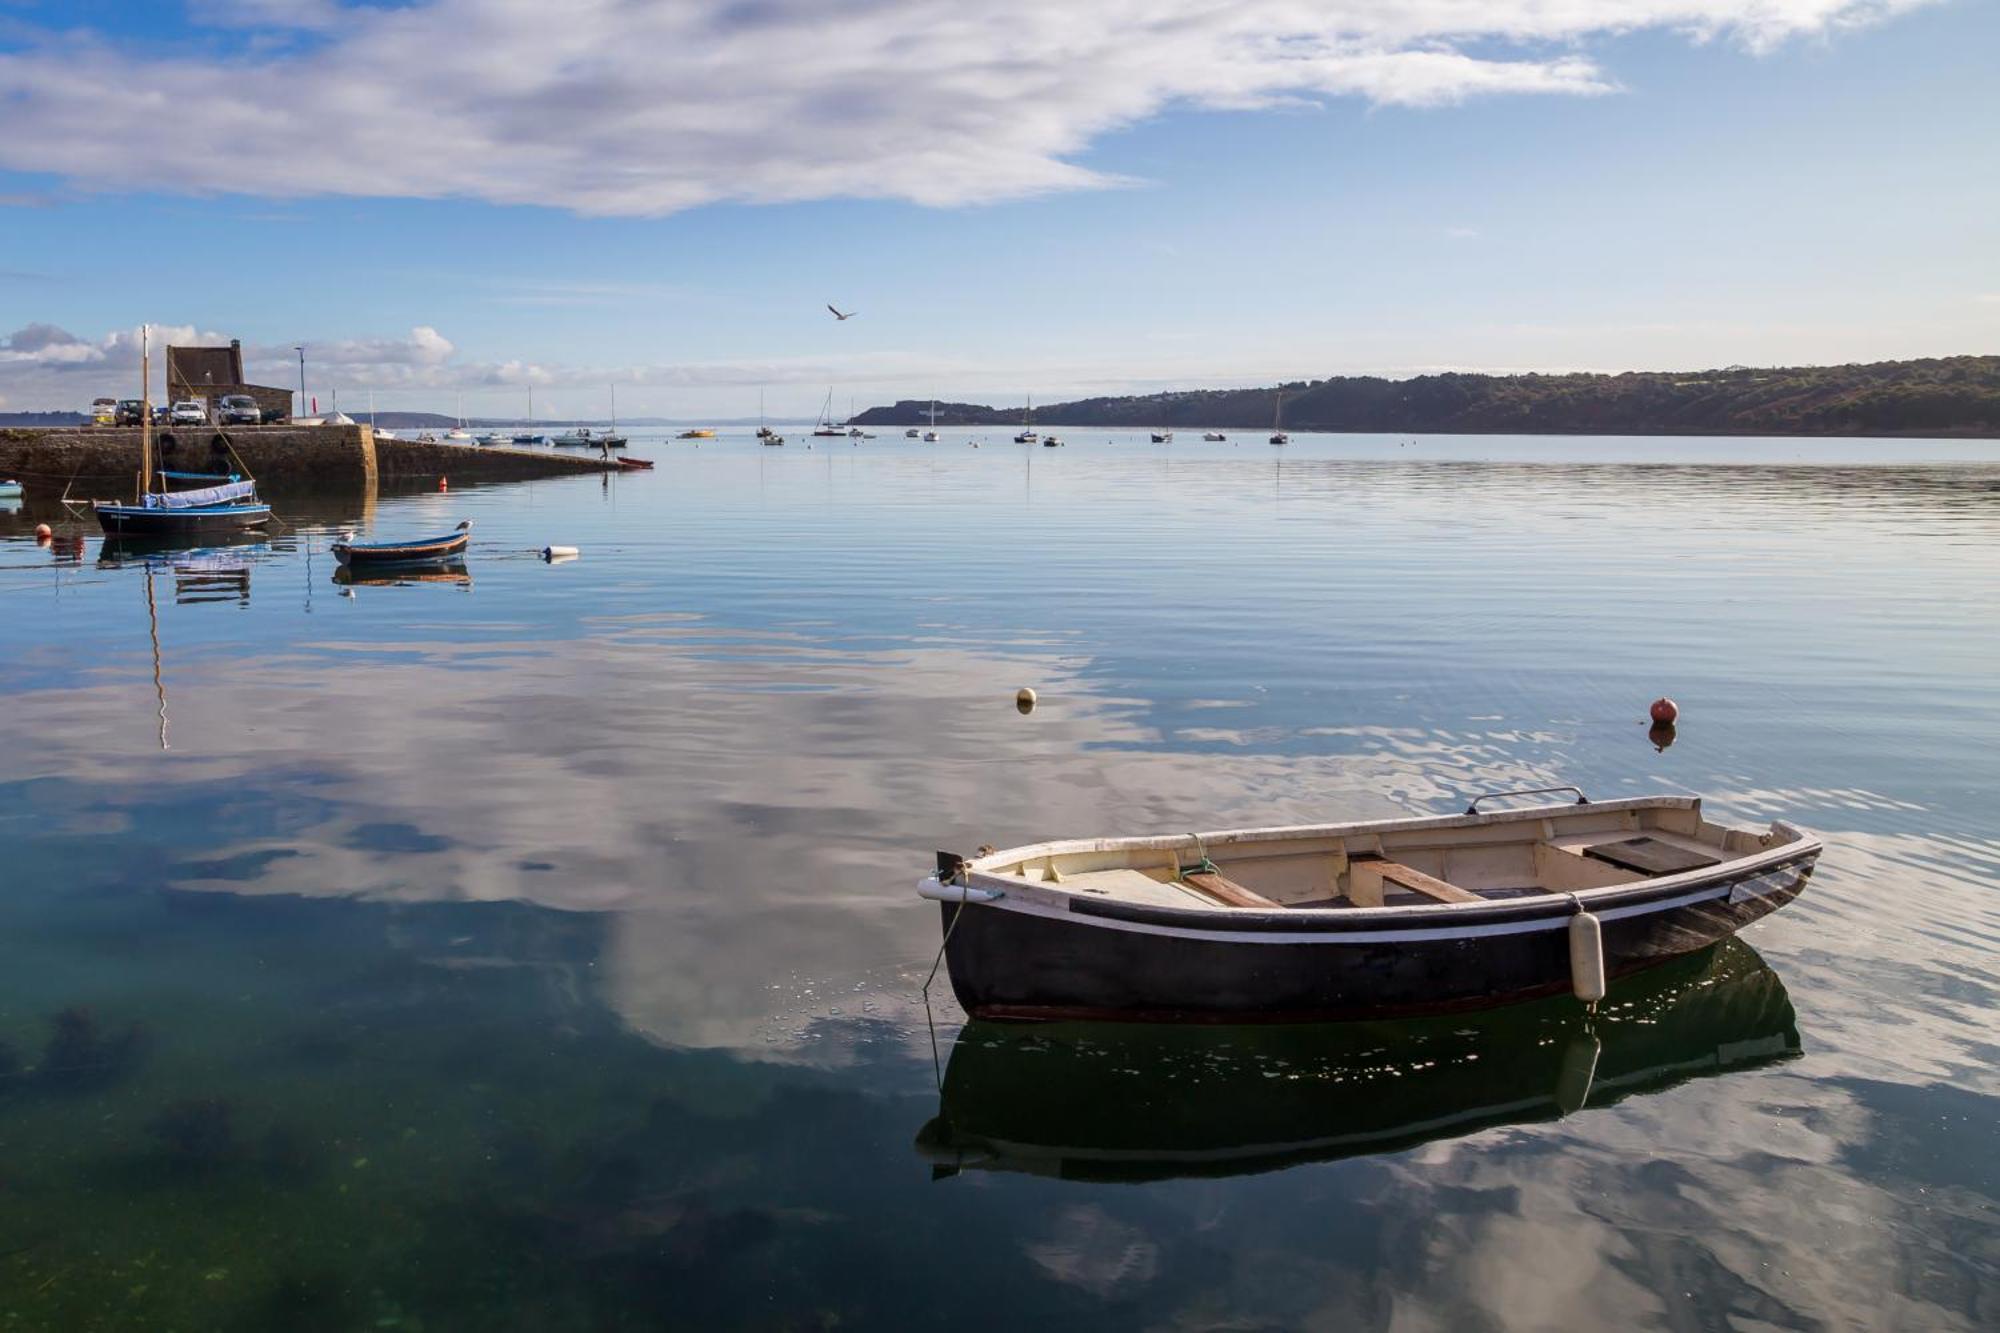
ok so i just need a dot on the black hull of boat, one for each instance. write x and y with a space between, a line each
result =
1152 966
182 522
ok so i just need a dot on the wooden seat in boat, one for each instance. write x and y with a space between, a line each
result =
1650 856
1368 876
1225 891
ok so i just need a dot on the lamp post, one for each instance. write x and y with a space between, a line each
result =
301 350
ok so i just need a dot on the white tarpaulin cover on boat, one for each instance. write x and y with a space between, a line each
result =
201 499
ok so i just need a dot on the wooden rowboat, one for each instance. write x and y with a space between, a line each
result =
425 551
630 464
1347 920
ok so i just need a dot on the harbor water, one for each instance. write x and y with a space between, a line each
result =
537 946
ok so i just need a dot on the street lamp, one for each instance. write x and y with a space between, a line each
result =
301 350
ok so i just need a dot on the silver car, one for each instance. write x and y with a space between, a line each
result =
189 412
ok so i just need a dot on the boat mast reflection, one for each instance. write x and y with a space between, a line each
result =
1134 1102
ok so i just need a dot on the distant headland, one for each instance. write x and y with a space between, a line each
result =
1948 396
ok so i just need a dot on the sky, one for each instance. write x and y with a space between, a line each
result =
458 200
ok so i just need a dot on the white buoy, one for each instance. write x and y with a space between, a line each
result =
1586 958
559 553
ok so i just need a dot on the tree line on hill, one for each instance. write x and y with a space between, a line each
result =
1947 396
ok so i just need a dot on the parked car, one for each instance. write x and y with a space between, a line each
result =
238 409
104 412
189 412
130 412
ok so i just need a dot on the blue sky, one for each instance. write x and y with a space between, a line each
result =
666 203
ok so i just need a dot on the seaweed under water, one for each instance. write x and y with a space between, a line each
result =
80 1056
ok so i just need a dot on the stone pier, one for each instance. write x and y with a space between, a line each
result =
99 462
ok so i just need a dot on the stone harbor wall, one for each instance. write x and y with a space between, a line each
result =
101 462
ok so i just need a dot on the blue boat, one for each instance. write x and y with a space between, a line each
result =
231 506
423 551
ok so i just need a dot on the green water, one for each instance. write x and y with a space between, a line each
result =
541 950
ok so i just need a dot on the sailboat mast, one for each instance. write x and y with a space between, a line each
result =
145 412
614 409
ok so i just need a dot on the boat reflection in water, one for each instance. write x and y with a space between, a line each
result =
454 572
1129 1102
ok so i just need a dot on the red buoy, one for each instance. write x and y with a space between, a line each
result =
1666 711
43 532
444 483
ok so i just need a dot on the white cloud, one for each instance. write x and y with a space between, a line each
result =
624 107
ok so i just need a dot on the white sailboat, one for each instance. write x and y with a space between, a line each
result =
611 439
459 434
931 435
1278 435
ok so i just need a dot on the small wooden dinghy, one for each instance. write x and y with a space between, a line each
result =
1346 920
424 551
631 464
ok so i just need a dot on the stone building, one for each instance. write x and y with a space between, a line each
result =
207 373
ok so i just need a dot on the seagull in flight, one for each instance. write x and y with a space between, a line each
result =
849 315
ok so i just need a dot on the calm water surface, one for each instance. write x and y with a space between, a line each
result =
540 951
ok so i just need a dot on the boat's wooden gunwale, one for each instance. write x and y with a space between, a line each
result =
1320 832
1785 842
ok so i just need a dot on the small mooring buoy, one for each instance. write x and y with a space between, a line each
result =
444 483
1586 957
553 553
1025 699
43 532
1665 711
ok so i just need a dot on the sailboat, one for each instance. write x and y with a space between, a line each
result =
931 435
826 426
611 439
459 434
1164 435
1028 435
530 435
1278 435
229 506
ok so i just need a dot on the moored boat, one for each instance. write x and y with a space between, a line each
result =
631 463
1358 919
231 505
421 551
10 489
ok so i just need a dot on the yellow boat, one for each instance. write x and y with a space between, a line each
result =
696 435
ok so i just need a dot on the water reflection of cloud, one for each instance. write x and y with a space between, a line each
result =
743 813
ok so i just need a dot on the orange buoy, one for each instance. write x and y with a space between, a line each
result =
1665 710
444 483
43 532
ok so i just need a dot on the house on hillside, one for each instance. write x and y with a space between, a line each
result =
207 373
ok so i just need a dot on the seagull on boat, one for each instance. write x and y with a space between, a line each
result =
837 315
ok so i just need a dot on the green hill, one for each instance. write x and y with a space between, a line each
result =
1950 396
